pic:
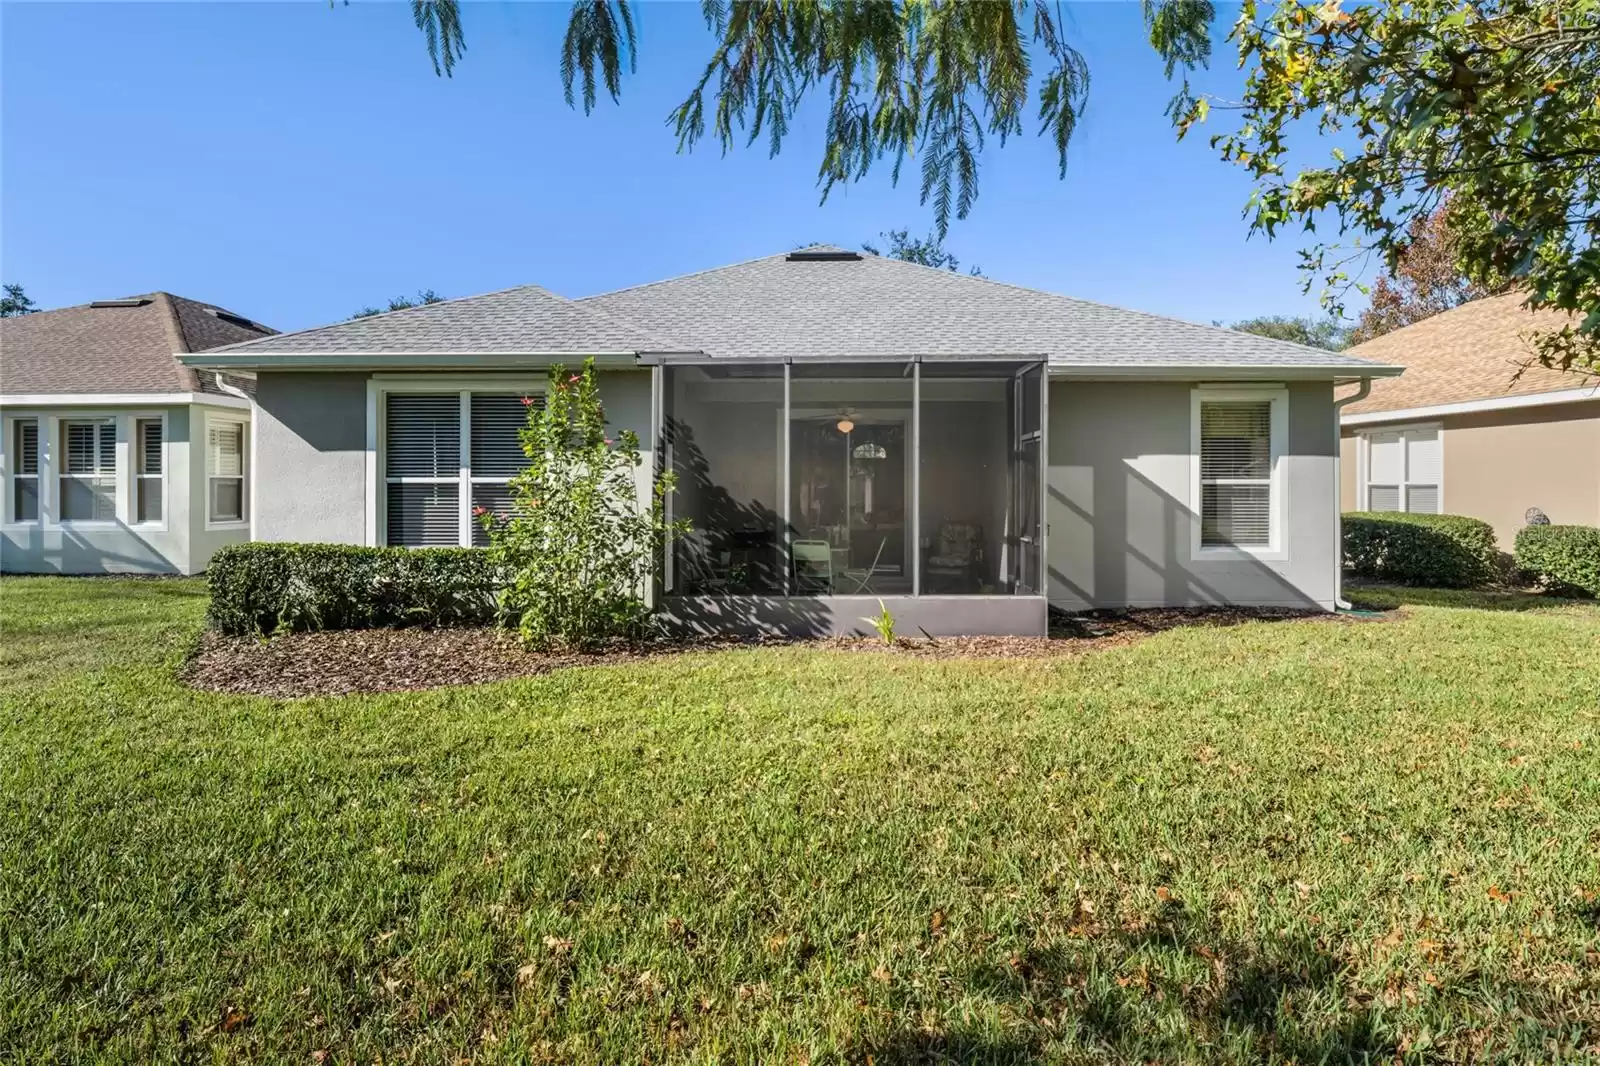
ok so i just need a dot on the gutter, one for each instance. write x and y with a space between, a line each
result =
1361 393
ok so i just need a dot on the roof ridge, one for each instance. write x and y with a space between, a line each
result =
172 326
685 277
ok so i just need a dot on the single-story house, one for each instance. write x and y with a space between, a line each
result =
115 457
844 428
1457 435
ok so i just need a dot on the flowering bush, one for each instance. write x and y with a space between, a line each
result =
578 544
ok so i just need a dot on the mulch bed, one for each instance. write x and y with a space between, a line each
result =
344 662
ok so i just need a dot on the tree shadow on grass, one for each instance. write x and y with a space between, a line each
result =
1138 996
1389 597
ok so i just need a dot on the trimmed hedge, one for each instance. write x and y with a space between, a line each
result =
1564 559
1443 550
262 588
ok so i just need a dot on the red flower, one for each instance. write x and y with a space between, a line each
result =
479 512
608 440
527 401
572 380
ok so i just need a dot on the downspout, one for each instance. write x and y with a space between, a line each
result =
1339 602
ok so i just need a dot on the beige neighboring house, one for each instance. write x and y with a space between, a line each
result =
114 457
1456 435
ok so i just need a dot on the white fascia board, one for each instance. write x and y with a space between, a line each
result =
1223 372
1468 407
122 399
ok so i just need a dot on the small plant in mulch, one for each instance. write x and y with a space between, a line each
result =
579 549
883 624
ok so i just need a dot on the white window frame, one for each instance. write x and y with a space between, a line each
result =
58 470
243 422
1364 465
134 477
1278 441
9 429
379 388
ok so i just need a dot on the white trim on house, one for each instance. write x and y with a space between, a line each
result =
121 399
1469 407
1277 547
1364 466
247 473
1340 372
379 387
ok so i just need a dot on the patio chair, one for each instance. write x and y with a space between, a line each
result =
813 566
863 578
956 551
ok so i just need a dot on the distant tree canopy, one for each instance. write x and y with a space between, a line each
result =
15 302
1492 103
928 251
400 303
1425 280
1312 332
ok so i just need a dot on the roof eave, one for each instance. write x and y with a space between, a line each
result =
1335 372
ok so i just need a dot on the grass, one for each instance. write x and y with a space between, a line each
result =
1282 841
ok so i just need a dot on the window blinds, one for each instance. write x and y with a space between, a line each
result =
1236 473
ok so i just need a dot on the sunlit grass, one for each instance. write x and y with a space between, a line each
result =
1291 840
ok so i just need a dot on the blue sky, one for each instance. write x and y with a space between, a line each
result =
295 162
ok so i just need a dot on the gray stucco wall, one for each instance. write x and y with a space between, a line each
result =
49 547
1119 511
311 440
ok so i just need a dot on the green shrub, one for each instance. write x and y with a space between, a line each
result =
262 588
1563 559
577 549
1442 550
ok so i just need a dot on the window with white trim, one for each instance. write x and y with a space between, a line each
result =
430 486
88 483
225 470
25 470
148 466
1404 470
1239 436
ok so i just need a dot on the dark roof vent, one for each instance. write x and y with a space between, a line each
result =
823 255
135 302
237 320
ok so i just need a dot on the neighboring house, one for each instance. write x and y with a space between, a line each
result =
1457 435
844 428
97 419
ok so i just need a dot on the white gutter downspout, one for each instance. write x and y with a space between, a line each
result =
1339 602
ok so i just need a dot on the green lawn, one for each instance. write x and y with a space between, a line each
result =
1282 841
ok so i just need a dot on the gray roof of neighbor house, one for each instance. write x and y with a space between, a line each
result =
523 320
116 346
816 303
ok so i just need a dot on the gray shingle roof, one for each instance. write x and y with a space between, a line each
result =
526 319
117 349
874 306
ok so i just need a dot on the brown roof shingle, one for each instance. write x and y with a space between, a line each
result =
117 349
1470 352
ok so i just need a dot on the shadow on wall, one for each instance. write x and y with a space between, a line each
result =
1134 505
65 550
1077 995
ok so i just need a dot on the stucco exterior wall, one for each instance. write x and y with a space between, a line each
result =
310 451
1120 513
311 445
118 547
1500 463
1497 464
